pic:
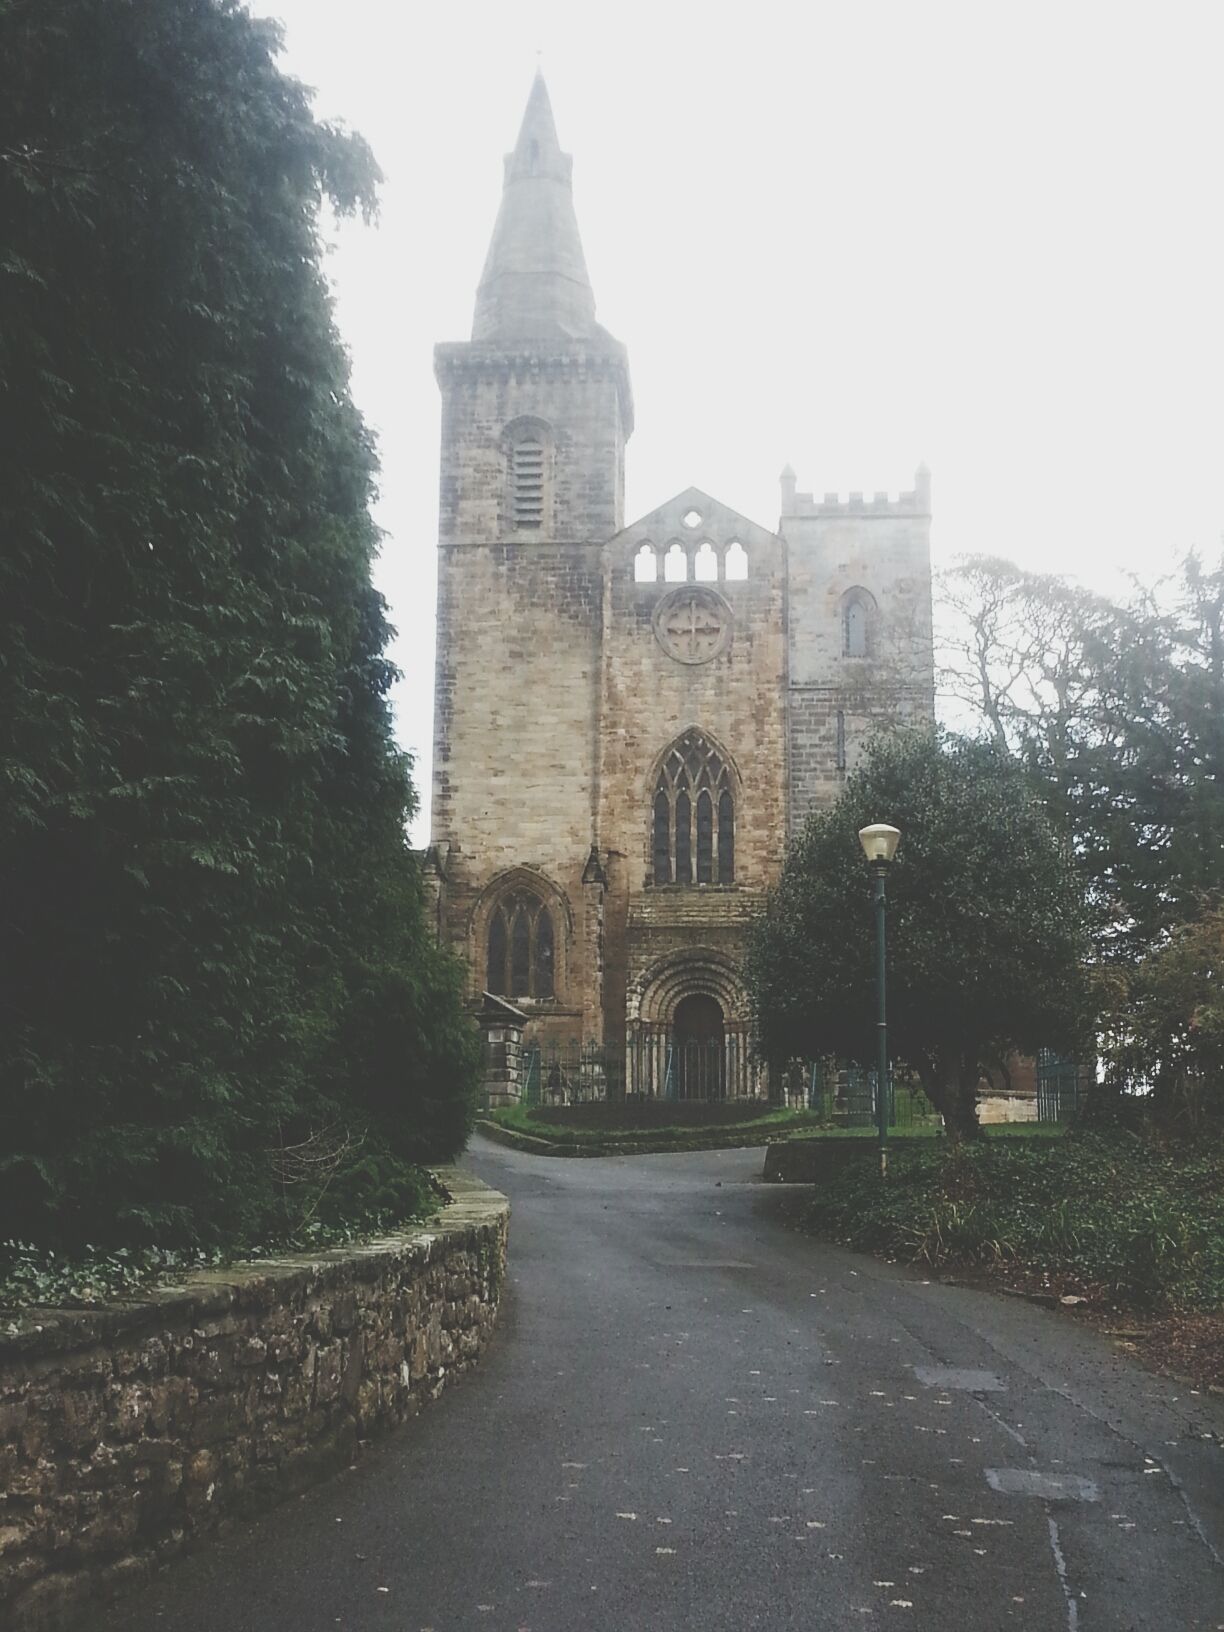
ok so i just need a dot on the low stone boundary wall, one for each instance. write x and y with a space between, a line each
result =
130 1432
614 1146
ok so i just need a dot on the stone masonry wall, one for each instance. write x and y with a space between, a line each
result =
518 633
835 547
518 646
649 697
132 1432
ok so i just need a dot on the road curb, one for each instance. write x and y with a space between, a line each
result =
612 1147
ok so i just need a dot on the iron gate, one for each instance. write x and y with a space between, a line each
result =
692 1069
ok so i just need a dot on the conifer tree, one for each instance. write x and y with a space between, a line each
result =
220 992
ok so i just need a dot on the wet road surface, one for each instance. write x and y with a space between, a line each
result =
693 1416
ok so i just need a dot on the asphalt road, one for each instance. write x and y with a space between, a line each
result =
692 1416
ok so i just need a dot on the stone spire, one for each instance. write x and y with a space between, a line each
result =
535 283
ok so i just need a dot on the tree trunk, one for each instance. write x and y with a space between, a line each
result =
951 1086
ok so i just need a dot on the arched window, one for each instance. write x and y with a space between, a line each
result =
726 837
736 565
662 838
545 978
520 953
857 607
705 564
705 837
684 837
521 948
645 565
496 979
675 565
694 781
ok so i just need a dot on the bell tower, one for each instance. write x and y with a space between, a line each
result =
536 411
536 407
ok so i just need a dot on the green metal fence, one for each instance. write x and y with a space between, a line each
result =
1059 1088
665 1066
569 1073
844 1094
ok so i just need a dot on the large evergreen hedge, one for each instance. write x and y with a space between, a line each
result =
218 982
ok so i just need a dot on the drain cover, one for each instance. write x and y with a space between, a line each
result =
973 1382
1055 1487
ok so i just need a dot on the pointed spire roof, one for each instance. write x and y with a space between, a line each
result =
535 282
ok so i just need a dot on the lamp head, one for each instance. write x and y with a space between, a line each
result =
879 842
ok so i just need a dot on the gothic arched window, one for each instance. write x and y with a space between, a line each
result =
521 948
705 837
857 608
726 837
495 980
662 838
693 789
684 837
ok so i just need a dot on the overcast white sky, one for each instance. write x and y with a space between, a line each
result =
850 236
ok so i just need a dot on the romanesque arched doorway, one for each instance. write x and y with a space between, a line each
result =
689 1029
698 1044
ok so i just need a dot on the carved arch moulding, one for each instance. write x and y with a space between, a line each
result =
696 970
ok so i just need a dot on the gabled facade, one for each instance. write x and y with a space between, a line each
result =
631 721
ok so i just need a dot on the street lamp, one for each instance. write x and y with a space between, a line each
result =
879 842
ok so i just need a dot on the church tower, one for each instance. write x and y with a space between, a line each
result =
536 410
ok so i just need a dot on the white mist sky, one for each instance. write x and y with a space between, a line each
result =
854 236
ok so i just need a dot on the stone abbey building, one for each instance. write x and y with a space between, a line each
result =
630 720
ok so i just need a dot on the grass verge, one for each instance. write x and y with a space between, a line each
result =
1112 1214
33 1276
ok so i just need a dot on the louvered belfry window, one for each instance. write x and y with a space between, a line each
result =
693 791
527 483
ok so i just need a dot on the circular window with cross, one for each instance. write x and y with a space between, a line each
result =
693 625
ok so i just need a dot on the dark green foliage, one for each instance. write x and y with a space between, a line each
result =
1117 710
984 924
213 938
1113 1211
1168 1028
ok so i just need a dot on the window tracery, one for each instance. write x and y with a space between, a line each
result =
521 948
693 815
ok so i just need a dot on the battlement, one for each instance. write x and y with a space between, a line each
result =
561 360
915 503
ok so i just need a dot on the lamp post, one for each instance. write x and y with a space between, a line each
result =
879 842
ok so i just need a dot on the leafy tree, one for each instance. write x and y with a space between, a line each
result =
985 924
220 989
1168 1028
1117 710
